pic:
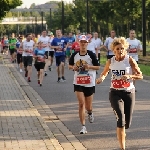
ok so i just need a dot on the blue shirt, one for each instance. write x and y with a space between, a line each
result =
70 40
40 53
59 42
18 44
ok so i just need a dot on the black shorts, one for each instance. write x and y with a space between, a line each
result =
88 91
27 60
60 59
122 103
49 53
39 65
110 56
13 50
19 58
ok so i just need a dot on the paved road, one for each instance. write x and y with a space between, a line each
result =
101 134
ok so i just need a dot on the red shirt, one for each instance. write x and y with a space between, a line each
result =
76 46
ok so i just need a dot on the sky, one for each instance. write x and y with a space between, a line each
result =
27 3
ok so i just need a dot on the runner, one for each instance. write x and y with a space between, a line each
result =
92 45
76 45
122 90
19 53
85 64
5 45
108 42
70 41
12 48
40 55
34 38
134 46
51 52
59 45
28 46
99 43
46 45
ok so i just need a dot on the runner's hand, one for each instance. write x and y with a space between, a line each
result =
75 68
99 80
125 77
86 66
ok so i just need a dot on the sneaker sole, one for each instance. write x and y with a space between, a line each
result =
83 133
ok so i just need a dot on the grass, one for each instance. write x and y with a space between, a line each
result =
144 68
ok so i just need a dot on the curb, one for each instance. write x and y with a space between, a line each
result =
58 133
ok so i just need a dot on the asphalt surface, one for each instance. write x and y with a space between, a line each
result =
102 133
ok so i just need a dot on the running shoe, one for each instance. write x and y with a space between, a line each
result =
59 79
29 80
26 73
83 130
91 118
40 84
63 78
50 69
45 74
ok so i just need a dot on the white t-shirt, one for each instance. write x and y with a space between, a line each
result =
98 42
46 41
28 48
134 45
92 46
83 75
107 43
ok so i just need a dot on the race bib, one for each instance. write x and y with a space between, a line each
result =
29 51
133 50
40 59
69 45
19 51
84 79
120 84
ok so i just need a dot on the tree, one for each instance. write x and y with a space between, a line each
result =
6 5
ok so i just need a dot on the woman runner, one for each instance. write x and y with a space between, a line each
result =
122 90
39 55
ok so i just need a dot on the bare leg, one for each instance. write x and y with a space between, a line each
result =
81 100
121 137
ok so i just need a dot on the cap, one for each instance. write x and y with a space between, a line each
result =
83 38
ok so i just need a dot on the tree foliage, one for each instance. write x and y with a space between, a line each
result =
103 16
6 5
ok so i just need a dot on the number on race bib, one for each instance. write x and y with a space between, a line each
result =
120 83
83 79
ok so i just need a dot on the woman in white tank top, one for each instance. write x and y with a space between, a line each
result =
122 90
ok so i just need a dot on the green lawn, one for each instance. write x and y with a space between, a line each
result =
144 68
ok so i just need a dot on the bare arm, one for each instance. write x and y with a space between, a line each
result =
136 70
104 73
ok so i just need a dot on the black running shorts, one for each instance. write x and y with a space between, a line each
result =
39 65
88 91
27 60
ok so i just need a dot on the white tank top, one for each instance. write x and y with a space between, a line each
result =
28 48
118 69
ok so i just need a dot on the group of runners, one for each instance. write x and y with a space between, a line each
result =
82 53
